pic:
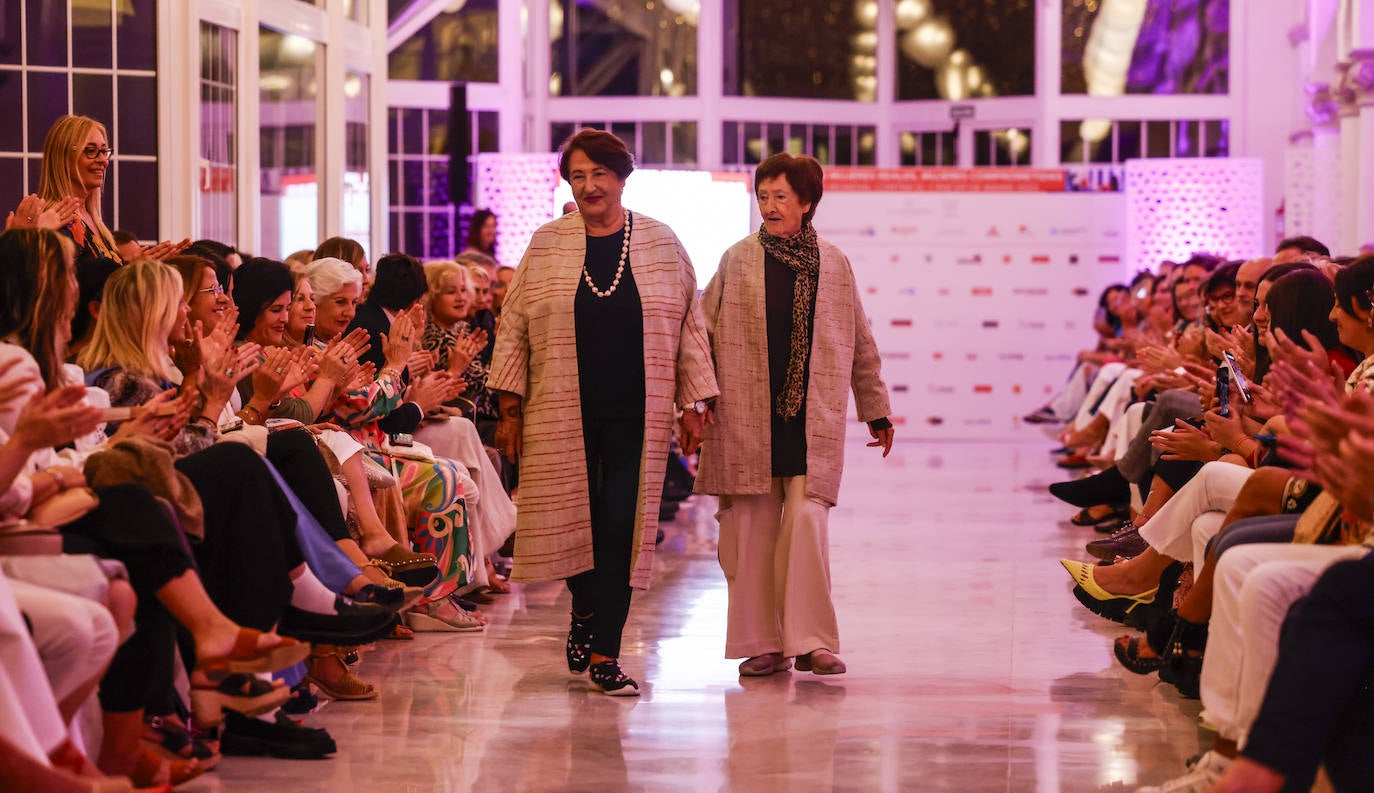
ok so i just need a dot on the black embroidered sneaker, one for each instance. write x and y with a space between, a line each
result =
579 649
607 678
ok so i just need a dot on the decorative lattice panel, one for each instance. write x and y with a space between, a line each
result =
1299 191
1175 208
519 189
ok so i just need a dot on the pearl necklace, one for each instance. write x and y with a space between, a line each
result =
619 270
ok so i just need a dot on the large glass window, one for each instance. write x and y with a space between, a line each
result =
947 49
751 142
288 112
459 45
615 48
357 184
808 49
218 133
1113 48
422 214
91 58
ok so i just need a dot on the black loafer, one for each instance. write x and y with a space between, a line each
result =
245 737
354 624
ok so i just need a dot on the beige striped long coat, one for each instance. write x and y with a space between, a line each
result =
736 456
536 357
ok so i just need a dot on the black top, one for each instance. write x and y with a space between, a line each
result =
371 318
789 436
610 335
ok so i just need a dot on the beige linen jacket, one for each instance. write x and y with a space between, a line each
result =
536 357
736 456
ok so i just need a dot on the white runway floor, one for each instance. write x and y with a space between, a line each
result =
971 667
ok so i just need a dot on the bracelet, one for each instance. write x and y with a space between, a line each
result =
258 413
207 421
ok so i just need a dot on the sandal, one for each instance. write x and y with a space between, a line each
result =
152 770
1182 661
248 658
1086 518
177 742
401 633
342 683
443 617
251 696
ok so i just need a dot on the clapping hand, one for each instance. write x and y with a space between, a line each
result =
162 250
55 418
465 348
1186 442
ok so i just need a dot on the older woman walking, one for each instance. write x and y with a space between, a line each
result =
789 337
600 338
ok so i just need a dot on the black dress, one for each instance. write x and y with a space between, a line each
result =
610 366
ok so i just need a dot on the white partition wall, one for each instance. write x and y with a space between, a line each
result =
980 285
1178 207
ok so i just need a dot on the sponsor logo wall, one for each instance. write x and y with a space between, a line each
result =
980 285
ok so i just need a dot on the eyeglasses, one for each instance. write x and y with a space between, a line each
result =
91 152
216 290
1224 297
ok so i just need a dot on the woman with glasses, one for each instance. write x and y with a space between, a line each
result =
76 160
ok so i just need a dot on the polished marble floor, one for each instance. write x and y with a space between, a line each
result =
972 668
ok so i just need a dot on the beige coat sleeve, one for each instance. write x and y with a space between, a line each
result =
866 379
510 358
696 375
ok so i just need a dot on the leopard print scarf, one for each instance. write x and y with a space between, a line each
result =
802 255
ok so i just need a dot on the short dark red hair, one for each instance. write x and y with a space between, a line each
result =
602 148
803 175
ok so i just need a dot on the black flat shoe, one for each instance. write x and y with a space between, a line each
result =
284 738
355 624
608 678
1105 487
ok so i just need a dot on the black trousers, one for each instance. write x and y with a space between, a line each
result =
250 544
1318 704
134 527
297 458
614 449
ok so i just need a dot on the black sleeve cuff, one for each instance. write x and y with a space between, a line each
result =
403 419
878 425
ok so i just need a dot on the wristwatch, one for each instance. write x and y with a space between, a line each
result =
699 406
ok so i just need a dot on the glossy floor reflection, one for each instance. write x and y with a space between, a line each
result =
972 668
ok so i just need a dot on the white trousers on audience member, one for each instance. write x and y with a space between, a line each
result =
31 719
1175 530
1124 430
1065 403
1254 587
1103 381
775 552
489 508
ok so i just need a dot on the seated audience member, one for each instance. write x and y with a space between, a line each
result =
480 314
91 276
349 251
482 234
433 487
499 285
1281 692
129 525
126 242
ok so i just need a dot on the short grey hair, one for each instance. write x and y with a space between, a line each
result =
328 275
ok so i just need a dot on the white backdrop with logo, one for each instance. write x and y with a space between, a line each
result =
979 300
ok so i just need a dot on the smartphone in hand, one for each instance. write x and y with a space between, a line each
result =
1223 391
1237 377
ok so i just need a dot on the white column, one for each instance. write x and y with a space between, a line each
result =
178 83
1361 77
1350 187
710 84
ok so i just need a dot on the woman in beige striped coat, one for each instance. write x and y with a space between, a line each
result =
600 339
